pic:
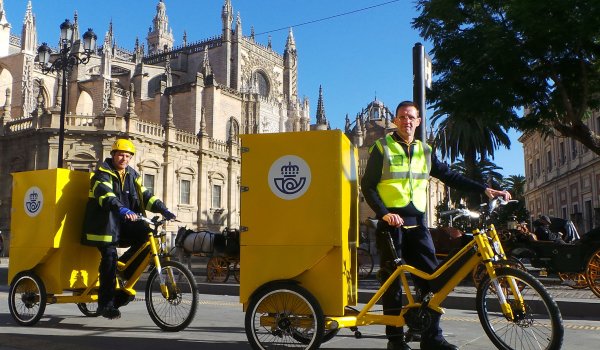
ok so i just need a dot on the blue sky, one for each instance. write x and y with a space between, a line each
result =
355 57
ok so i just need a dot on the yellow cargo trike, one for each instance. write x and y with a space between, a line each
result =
299 217
48 265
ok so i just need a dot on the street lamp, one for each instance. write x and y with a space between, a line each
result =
63 63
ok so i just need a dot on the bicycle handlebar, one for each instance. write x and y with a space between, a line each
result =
493 205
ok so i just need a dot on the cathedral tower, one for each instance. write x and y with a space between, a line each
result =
290 71
160 35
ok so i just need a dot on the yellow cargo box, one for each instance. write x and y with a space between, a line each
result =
299 215
47 216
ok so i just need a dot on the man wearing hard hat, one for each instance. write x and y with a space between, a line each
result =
116 198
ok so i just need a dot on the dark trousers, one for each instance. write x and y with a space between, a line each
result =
134 235
415 247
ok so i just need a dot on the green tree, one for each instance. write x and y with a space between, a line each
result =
493 58
515 184
485 171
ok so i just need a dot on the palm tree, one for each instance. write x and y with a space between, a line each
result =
484 171
515 184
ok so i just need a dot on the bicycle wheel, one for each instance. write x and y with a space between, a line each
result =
536 324
174 307
592 273
217 269
284 315
27 298
364 261
88 309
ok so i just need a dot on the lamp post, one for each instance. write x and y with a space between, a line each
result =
63 63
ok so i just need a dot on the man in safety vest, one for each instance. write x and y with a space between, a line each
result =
116 197
395 185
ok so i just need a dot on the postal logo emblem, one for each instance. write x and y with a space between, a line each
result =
33 201
289 177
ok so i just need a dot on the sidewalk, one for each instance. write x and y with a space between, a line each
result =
573 303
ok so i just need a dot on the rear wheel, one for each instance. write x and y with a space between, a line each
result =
284 315
365 262
27 298
173 306
592 273
534 324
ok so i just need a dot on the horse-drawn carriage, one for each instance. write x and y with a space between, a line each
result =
576 260
222 250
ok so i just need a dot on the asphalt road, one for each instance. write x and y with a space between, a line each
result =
219 324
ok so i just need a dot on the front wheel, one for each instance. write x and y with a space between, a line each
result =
536 323
284 315
27 298
173 306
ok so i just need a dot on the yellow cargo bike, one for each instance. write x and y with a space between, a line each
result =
48 265
298 285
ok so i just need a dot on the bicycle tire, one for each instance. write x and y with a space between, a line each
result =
528 329
27 298
298 320
176 312
364 262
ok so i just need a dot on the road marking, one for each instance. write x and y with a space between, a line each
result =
565 324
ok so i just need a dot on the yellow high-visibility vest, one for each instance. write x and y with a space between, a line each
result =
403 178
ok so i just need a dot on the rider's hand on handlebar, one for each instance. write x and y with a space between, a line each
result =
491 193
168 215
393 220
127 214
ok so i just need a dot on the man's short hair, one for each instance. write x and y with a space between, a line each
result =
545 218
406 104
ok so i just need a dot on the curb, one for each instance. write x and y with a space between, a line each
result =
570 308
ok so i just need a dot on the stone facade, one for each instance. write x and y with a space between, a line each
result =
563 178
183 107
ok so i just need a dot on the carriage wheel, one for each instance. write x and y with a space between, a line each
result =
217 269
575 280
27 298
592 273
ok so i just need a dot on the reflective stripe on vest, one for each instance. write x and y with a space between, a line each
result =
404 179
99 238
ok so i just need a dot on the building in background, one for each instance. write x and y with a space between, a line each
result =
182 106
563 178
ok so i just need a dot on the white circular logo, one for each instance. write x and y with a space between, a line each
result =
289 177
33 201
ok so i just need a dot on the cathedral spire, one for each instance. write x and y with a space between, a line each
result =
160 35
321 119
206 68
3 20
290 44
28 33
227 19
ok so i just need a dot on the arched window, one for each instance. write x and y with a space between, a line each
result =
262 83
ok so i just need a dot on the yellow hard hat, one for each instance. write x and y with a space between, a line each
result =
123 145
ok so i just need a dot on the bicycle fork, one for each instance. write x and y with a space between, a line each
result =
154 244
489 255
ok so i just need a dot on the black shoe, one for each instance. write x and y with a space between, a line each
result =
437 344
397 345
109 311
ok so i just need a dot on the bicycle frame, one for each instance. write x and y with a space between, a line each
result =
156 242
484 248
